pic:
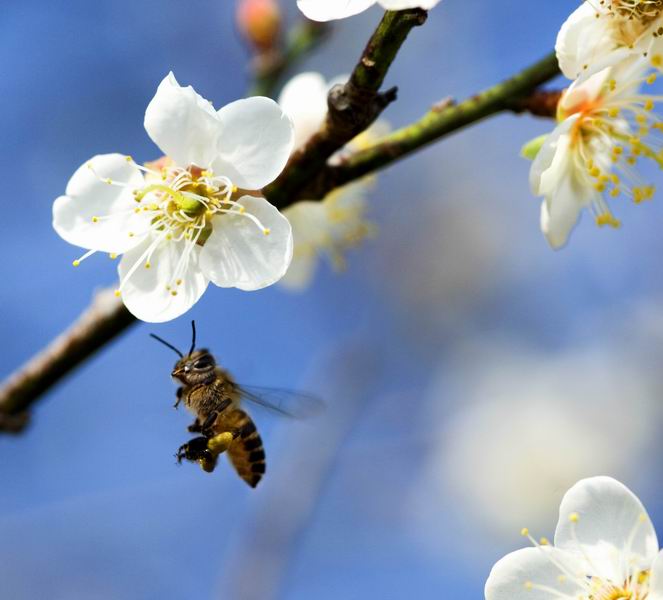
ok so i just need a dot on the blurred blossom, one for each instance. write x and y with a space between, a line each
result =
527 425
259 21
605 548
337 223
183 223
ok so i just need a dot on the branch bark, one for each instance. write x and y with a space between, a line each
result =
352 107
510 95
104 319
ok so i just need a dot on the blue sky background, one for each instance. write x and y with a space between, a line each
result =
92 504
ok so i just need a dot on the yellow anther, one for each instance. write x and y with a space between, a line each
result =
631 160
173 293
599 187
617 150
561 578
235 189
148 265
89 166
178 282
595 172
544 541
604 178
95 219
649 104
614 178
137 209
169 236
613 112
642 518
524 532
652 78
614 192
131 234
117 293
612 84
656 61
76 263
112 256
574 517
108 180
529 585
242 210
642 118
129 159
601 220
267 231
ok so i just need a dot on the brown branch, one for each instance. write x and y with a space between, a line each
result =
352 106
101 322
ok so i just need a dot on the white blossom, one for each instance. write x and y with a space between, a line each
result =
182 221
605 125
605 548
599 34
327 10
335 224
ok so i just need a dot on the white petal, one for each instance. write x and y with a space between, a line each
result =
551 156
256 140
533 574
304 99
656 578
238 254
183 124
145 294
583 39
604 520
87 197
402 4
583 91
327 10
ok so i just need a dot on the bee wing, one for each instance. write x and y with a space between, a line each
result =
287 403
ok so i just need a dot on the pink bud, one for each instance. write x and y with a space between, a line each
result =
260 22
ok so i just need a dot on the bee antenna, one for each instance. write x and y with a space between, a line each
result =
165 343
193 337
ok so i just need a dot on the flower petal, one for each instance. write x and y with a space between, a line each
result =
327 10
533 574
605 521
183 124
145 293
304 99
256 140
87 197
401 4
656 578
238 253
582 39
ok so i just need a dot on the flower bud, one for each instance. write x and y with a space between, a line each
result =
259 21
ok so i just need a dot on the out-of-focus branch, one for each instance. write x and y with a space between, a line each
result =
269 67
516 94
105 318
352 106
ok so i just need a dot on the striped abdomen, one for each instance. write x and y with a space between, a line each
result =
246 453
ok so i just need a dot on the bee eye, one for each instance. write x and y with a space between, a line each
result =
202 363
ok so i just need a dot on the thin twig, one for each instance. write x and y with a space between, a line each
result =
437 123
352 106
104 319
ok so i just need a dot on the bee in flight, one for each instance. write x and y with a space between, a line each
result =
214 398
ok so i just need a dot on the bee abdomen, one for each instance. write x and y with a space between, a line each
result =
246 453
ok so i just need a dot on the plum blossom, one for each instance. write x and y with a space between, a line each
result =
186 219
599 34
328 10
335 224
606 124
605 548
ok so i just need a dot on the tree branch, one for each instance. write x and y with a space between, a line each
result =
105 318
352 106
512 94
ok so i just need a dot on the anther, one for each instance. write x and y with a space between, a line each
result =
574 517
117 293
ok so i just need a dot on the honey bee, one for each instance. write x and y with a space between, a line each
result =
214 398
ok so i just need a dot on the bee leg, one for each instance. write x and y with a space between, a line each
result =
178 393
220 442
193 450
207 425
195 427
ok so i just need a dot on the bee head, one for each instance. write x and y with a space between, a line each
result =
197 367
